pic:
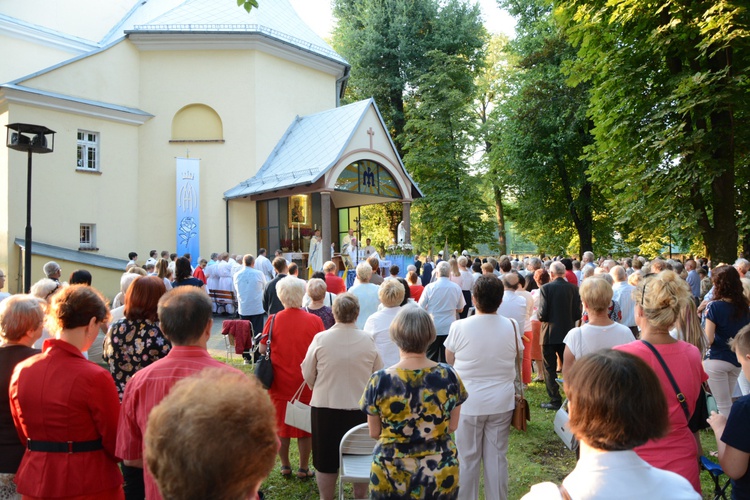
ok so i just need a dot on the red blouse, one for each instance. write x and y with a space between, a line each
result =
60 396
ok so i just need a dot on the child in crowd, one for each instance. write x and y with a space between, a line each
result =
732 436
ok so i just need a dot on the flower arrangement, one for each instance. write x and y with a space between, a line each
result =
286 243
306 232
400 249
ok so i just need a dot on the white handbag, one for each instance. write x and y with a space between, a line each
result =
297 412
562 427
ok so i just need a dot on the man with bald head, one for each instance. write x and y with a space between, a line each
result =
559 310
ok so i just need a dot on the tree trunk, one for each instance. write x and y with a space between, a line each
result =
502 241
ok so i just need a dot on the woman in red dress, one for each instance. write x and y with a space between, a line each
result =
292 331
66 408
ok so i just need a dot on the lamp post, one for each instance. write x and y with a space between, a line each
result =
32 139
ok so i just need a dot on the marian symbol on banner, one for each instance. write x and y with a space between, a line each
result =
368 178
188 199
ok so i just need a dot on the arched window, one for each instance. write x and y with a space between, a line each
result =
368 177
197 123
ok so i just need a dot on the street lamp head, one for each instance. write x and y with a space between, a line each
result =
30 138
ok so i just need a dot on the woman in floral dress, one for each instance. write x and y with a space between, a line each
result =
136 341
412 408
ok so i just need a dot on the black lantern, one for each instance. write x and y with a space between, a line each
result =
32 139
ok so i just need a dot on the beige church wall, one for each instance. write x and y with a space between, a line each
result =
13 61
4 200
171 80
283 90
109 76
63 198
243 237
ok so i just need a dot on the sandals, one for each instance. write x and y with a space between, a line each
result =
305 473
286 471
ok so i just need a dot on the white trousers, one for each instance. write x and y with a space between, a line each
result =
722 377
483 439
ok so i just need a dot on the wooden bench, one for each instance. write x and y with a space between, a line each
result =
223 298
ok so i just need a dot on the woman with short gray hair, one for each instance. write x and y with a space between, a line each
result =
316 294
412 409
291 330
21 323
337 366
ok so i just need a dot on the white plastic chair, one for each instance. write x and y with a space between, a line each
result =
355 457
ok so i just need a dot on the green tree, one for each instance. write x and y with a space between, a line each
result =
669 95
248 5
439 139
492 87
387 41
541 132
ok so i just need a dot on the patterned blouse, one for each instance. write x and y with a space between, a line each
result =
131 345
325 314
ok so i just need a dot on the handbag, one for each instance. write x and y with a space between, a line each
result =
697 421
264 368
562 427
297 412
521 413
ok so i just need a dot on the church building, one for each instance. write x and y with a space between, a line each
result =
181 125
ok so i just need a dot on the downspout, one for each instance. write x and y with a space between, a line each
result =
226 201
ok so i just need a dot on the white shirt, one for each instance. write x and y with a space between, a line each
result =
467 281
248 285
529 308
590 338
378 326
514 306
367 293
623 294
442 299
485 350
615 475
264 265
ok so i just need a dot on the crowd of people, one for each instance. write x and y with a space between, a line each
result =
432 364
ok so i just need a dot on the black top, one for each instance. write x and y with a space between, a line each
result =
188 282
11 449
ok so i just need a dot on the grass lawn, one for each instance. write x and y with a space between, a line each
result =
534 456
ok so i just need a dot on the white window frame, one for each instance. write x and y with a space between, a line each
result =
87 145
91 243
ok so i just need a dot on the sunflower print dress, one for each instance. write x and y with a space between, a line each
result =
415 456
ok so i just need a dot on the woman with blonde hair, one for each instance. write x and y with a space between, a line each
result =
600 332
163 272
660 300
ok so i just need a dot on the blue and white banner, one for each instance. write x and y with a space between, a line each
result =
188 208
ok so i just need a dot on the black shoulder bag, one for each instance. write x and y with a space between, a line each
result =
697 421
263 368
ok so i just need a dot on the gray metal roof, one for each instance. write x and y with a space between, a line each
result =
98 104
308 149
274 18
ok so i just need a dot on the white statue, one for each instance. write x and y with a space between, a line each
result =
401 232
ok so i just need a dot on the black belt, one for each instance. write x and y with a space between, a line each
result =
64 447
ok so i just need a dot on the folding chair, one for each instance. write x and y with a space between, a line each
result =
716 472
355 457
